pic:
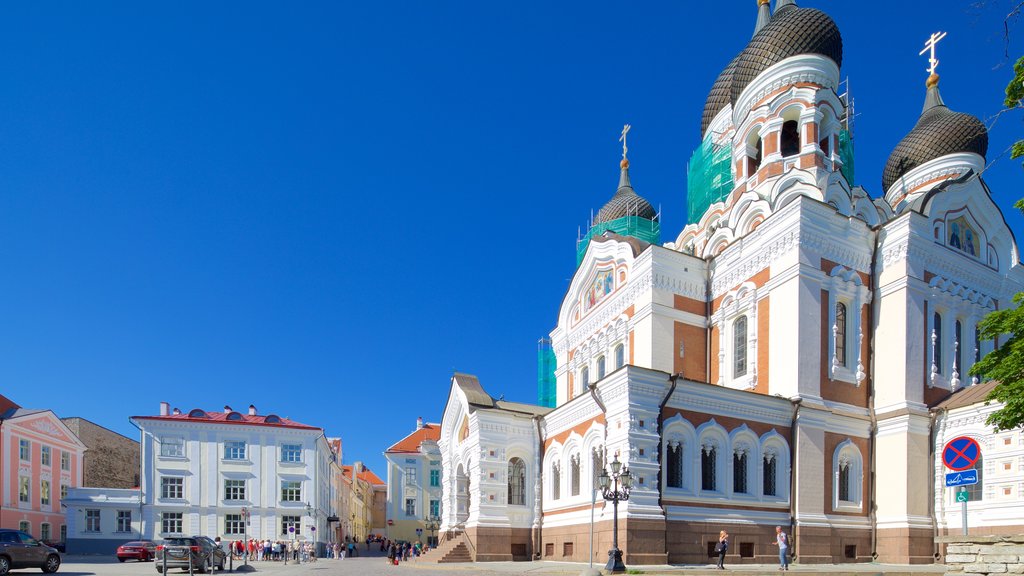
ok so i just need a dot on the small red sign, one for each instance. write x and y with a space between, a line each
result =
961 453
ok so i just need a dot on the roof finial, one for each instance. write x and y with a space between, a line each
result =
622 138
764 14
933 62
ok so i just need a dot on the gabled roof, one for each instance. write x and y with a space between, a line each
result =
967 396
411 443
366 475
238 419
6 404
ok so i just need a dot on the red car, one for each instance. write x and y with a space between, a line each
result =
141 550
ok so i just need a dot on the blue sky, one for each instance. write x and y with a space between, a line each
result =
325 208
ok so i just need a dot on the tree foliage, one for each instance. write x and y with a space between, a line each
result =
1006 364
1014 100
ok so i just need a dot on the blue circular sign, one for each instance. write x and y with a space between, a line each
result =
961 453
291 528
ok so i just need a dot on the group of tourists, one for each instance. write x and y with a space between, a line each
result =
256 550
396 552
781 540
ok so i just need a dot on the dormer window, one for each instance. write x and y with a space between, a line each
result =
789 138
272 419
197 413
234 416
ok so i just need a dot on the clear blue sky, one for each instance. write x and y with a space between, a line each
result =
325 208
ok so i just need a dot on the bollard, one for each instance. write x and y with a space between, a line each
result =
231 562
190 573
164 571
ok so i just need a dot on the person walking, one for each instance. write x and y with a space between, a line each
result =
721 548
782 541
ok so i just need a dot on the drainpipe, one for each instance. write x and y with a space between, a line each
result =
539 493
873 434
707 318
797 402
604 460
661 420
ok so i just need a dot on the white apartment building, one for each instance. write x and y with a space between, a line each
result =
204 472
414 484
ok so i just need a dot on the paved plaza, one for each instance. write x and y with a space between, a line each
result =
375 566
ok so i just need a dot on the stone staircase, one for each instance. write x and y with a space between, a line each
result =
455 548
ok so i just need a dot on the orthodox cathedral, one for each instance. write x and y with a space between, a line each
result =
778 361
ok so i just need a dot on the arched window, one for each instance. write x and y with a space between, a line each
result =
675 464
620 359
937 344
789 139
770 479
574 475
754 162
516 482
556 481
584 378
847 477
739 346
739 471
600 368
597 464
840 333
708 463
975 492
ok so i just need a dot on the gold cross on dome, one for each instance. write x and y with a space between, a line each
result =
625 130
929 47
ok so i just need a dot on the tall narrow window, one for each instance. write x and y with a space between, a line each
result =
600 368
754 162
620 353
708 460
24 450
975 491
844 482
769 480
516 482
958 332
556 481
937 345
675 465
44 455
574 475
739 346
435 478
840 333
789 139
739 472
92 520
584 378
44 492
23 488
597 461
977 343
44 531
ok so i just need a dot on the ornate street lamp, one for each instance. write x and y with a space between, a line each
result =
615 488
245 535
433 523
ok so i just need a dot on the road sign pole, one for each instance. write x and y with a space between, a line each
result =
963 508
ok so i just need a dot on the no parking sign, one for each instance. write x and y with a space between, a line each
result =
961 453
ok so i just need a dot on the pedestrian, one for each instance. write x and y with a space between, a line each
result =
782 541
721 548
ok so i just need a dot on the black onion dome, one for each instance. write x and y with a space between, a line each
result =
625 202
791 31
938 132
718 97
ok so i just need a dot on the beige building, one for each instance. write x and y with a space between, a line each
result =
112 460
414 484
359 489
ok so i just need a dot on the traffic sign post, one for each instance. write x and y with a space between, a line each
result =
960 455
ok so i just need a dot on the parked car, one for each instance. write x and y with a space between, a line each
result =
204 554
20 550
141 550
55 544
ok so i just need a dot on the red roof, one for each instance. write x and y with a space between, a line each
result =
411 443
366 475
237 418
6 404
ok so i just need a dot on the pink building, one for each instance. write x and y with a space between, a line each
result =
40 458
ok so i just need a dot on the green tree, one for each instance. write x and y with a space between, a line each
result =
1006 365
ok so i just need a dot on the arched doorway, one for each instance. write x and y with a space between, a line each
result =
461 495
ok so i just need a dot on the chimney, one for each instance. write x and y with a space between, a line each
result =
165 408
227 409
177 411
357 467
252 409
419 422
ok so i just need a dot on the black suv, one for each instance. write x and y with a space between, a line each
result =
19 550
205 554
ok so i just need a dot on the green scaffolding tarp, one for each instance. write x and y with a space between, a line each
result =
546 361
708 178
846 155
634 226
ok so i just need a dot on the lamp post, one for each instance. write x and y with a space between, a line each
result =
245 535
615 488
312 512
433 523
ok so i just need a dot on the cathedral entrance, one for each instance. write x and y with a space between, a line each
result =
461 495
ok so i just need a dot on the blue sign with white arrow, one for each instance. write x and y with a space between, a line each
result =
962 478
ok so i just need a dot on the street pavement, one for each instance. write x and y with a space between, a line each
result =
375 565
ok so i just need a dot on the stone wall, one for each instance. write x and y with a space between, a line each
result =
983 555
111 461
